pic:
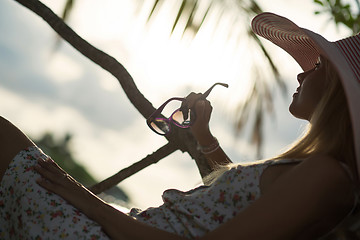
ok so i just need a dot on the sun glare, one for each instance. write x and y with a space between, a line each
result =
163 64
176 64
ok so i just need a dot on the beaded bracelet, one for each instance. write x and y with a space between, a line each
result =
211 148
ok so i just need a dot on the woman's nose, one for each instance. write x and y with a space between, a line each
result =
300 77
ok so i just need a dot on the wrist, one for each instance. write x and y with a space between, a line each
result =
93 205
209 148
204 138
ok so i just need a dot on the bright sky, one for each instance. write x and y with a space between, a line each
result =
64 92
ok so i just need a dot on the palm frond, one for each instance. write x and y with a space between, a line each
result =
69 5
346 13
155 5
67 9
191 16
190 21
259 101
204 17
179 14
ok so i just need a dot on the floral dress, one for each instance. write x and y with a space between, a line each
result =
194 213
28 211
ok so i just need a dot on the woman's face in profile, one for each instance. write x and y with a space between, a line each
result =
312 86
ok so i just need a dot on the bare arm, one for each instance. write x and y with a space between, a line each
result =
114 223
201 130
312 191
315 190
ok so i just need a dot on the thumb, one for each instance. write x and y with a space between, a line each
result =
203 111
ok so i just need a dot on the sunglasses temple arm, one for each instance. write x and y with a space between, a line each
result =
206 94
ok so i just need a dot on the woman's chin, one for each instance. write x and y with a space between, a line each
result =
296 112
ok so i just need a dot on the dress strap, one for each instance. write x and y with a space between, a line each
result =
281 161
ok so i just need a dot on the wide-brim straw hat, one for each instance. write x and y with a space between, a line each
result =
306 46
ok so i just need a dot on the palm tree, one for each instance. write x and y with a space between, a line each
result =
181 140
193 15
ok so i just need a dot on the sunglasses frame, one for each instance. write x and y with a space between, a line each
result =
157 113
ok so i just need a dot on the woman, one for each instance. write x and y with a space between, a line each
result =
301 194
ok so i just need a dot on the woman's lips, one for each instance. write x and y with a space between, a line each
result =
296 92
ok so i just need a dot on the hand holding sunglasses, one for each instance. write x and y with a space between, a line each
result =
182 117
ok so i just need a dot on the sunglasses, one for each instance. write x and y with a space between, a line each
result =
182 117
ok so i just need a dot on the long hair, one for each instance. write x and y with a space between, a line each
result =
329 131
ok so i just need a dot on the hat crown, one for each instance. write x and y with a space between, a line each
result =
350 49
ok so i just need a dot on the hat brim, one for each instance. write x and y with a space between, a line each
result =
305 47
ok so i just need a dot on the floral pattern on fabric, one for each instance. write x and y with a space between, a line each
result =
194 213
28 211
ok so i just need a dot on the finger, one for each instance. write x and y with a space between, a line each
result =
56 177
184 108
192 99
48 185
199 107
203 108
50 165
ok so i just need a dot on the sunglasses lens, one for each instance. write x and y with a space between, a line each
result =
160 126
180 120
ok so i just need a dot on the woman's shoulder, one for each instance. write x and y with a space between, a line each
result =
333 176
327 164
336 189
324 183
327 167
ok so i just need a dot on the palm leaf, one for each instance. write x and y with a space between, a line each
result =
259 100
190 20
179 14
67 9
156 3
69 5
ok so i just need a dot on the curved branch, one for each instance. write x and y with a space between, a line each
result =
162 152
177 140
99 57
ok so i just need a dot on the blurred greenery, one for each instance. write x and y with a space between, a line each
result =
346 13
231 18
60 151
215 15
259 100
